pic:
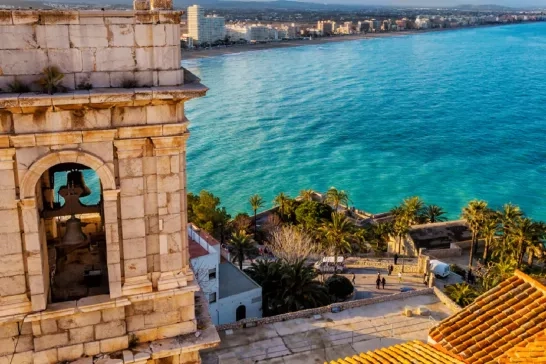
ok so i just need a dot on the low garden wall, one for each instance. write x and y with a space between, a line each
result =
446 300
454 251
251 322
405 265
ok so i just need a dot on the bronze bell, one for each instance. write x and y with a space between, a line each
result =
74 235
75 179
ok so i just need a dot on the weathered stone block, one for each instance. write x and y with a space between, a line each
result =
135 323
139 308
131 186
12 285
48 326
80 335
187 313
157 319
88 36
92 348
71 352
121 35
144 78
11 265
96 79
113 314
161 4
79 320
25 17
172 32
59 17
8 330
23 61
181 328
110 329
125 116
17 37
134 248
115 59
144 35
144 59
135 267
133 228
50 341
67 60
130 167
7 201
146 335
161 114
171 78
167 58
19 358
46 357
36 284
114 344
11 244
52 36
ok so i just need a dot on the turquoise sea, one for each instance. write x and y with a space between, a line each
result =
449 116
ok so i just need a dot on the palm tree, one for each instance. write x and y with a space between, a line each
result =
282 201
400 228
300 289
268 274
412 208
489 231
432 214
461 293
337 233
509 215
255 202
537 247
241 246
307 195
521 234
474 215
336 197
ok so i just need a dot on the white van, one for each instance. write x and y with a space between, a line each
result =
327 265
439 268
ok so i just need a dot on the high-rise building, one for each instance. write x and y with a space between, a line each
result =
205 29
326 27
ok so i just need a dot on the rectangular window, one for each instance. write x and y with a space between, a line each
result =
257 299
212 274
212 297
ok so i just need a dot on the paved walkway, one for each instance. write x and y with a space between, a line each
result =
330 336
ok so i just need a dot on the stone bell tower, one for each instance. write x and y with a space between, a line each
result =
94 101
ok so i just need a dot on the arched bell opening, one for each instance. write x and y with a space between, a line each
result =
71 210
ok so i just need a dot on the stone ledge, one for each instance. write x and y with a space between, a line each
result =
191 287
87 304
28 102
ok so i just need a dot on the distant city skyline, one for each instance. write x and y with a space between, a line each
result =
410 3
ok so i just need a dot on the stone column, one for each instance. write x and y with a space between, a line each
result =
130 153
113 251
172 216
35 254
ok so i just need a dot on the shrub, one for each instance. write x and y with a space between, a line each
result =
18 87
84 85
339 286
51 80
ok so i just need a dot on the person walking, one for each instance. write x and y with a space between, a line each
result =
377 282
400 277
354 278
383 281
395 258
391 268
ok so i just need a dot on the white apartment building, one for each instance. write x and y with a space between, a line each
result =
251 33
205 29
231 293
422 23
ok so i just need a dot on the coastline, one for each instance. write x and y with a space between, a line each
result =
240 48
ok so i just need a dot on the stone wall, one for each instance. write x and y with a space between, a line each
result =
102 48
324 309
404 265
446 300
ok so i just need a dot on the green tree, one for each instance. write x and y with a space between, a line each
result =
461 293
432 214
268 274
489 231
522 235
336 197
241 246
301 290
339 286
307 195
256 202
241 221
282 201
204 211
536 248
310 214
474 214
337 233
412 209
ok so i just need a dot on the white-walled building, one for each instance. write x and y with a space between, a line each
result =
251 33
205 29
231 293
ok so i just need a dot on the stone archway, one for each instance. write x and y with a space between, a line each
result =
36 251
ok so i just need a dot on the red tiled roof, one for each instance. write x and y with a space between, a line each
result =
411 352
510 314
532 350
196 250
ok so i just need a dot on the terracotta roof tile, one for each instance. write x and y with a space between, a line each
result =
508 316
412 352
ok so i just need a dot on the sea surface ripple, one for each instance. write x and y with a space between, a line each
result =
449 116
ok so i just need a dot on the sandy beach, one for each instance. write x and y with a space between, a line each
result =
221 50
